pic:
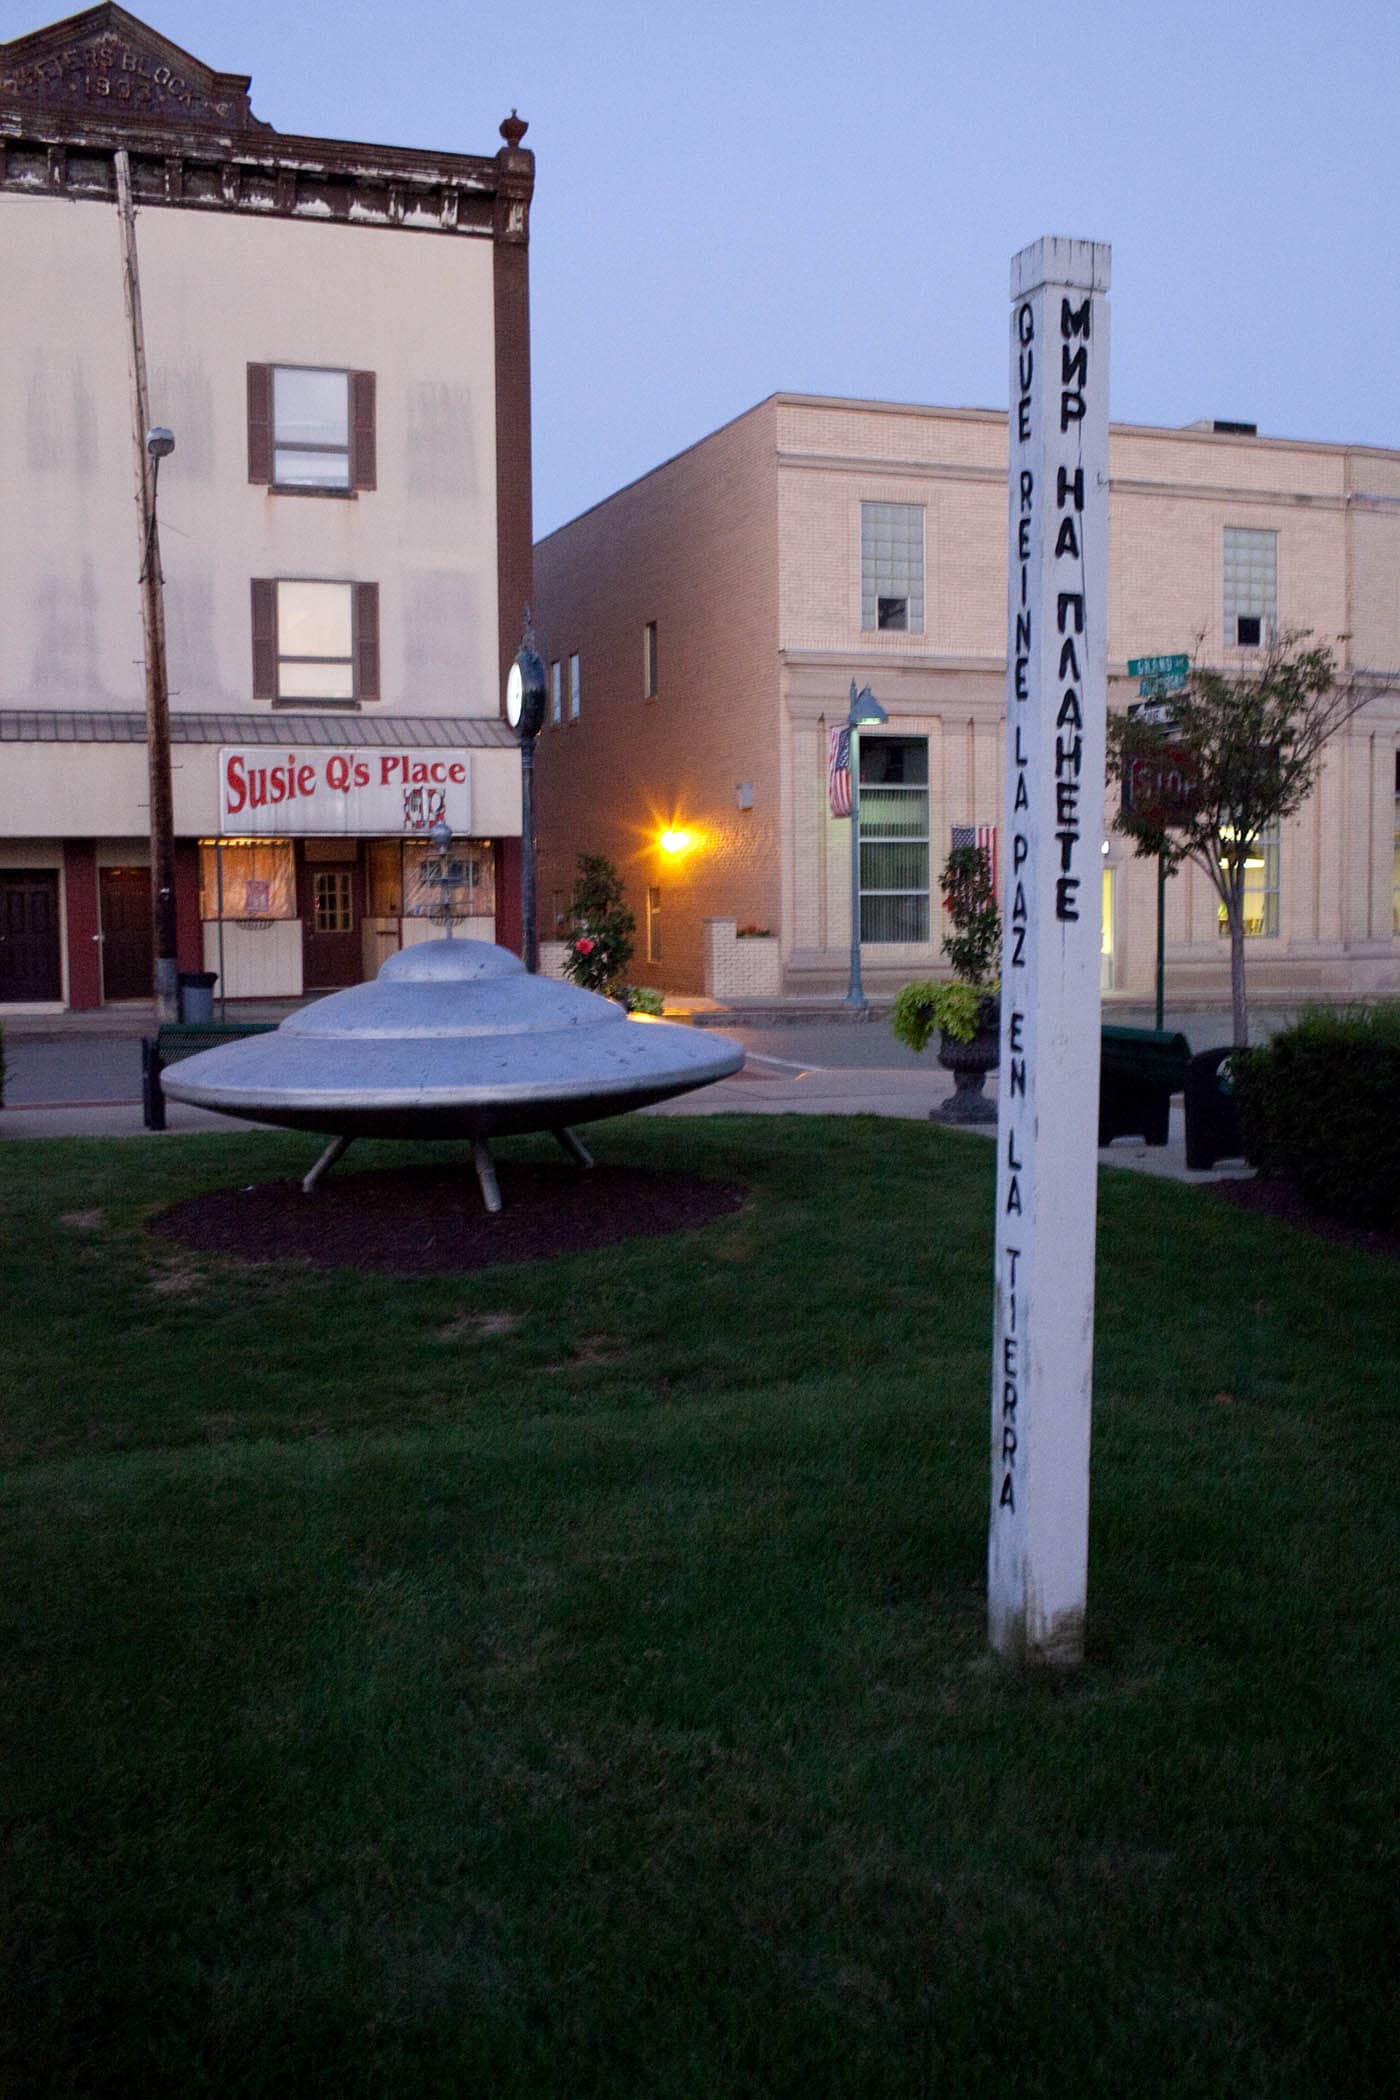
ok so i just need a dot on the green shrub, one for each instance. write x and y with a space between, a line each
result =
643 999
599 944
1320 1104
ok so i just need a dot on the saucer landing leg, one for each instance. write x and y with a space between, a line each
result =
574 1147
486 1174
334 1151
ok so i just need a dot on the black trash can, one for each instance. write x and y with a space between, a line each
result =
1212 1116
197 994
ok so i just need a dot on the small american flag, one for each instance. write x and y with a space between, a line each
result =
838 773
984 838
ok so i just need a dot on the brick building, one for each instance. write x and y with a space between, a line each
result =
337 334
702 627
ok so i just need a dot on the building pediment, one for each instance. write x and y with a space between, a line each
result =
107 65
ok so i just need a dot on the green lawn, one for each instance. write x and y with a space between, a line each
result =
570 1679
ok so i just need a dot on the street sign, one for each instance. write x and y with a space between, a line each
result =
1159 666
1160 714
1164 789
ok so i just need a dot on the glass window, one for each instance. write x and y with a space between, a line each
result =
894 838
1251 587
315 641
472 864
556 693
332 902
1260 887
255 878
653 925
649 664
892 567
573 689
310 428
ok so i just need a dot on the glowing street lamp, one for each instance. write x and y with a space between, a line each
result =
865 712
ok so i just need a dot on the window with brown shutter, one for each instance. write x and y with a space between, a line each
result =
311 430
315 642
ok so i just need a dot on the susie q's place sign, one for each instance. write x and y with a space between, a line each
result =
376 793
1047 1139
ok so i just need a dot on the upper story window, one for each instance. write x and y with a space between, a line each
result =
1251 587
892 567
556 695
573 688
315 643
649 661
1261 873
311 430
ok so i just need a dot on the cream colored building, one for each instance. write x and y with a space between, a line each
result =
703 626
337 336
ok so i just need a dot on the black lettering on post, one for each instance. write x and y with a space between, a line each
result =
1069 659
1069 754
1067 802
1013 1198
1008 1356
1025 322
1011 1159
1067 484
1068 841
1074 367
1022 799
1025 366
1020 851
1023 630
1070 602
1071 410
1007 1497
1014 1032
1069 716
1009 1397
1027 487
1022 689
1065 888
1018 952
1022 757
1074 321
1008 1442
1023 540
1023 421
1068 540
1017 1081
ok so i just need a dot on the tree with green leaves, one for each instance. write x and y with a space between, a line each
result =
599 945
1242 751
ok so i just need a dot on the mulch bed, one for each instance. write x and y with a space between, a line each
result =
417 1221
1272 1197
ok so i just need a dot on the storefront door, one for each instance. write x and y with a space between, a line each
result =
331 906
30 966
128 971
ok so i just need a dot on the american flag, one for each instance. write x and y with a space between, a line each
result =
838 773
984 837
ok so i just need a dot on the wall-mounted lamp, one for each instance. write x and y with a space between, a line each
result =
677 842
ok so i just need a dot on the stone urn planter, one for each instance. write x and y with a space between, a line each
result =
969 1063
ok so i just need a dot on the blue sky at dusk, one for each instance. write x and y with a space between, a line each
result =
795 194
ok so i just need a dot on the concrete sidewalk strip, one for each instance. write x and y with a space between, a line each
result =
784 1087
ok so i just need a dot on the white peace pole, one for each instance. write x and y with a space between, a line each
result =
1047 1136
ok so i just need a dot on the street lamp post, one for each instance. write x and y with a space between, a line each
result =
865 712
160 443
525 705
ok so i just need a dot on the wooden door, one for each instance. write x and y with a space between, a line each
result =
30 961
331 907
128 971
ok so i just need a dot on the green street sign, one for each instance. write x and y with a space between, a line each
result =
1161 667
1148 686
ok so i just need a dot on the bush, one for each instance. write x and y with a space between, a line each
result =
643 999
599 946
1320 1104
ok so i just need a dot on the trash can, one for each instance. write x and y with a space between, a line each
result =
1212 1116
197 994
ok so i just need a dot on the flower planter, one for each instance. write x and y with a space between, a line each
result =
969 1064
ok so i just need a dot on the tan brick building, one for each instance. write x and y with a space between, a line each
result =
703 626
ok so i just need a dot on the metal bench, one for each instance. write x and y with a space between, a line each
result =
175 1040
1139 1071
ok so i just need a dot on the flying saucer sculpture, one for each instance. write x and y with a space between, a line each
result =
453 1039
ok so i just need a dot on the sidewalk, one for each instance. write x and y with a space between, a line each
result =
765 1086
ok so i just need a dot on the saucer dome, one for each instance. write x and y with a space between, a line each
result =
452 1039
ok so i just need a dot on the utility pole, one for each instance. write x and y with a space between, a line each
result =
151 446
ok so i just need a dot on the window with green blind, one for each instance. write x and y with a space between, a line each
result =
894 839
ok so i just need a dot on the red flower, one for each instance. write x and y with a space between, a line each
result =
583 946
